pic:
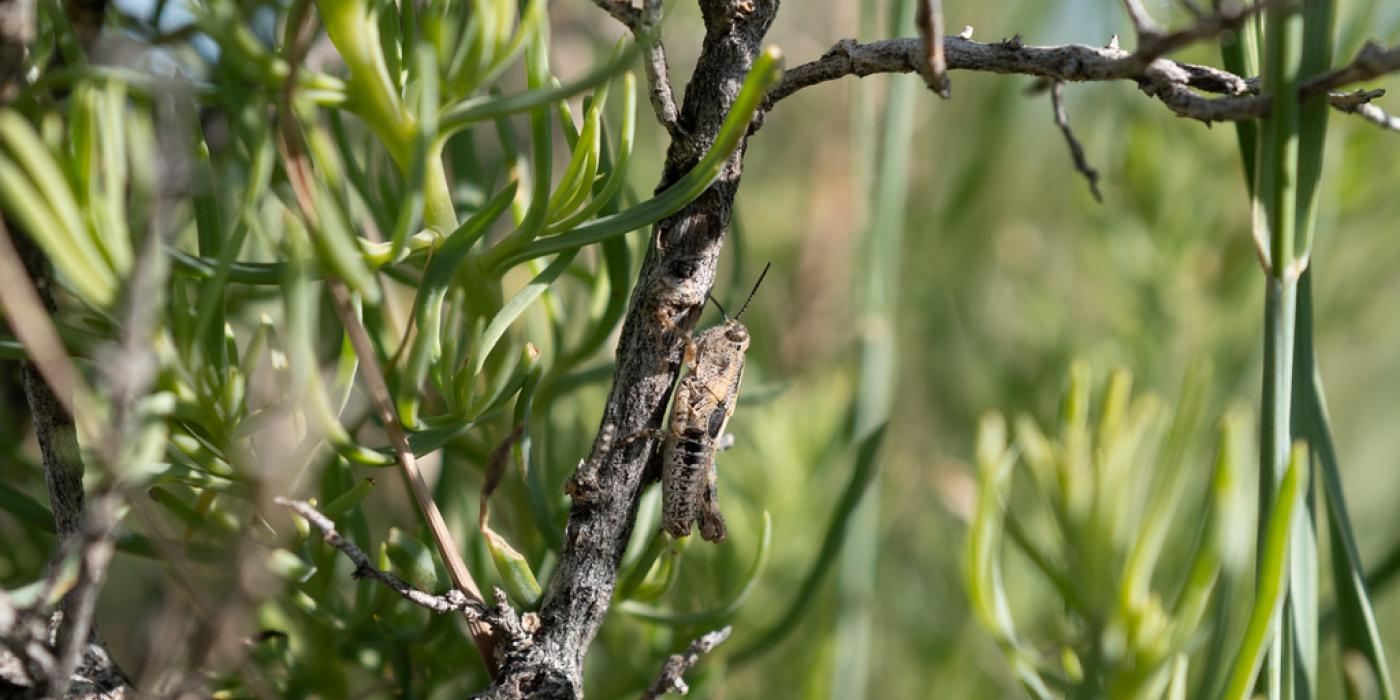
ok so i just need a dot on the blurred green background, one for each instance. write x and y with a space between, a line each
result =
1008 271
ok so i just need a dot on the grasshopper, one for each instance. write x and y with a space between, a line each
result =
703 403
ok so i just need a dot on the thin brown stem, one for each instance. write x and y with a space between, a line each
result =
1076 150
929 20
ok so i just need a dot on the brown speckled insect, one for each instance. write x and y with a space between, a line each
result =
703 403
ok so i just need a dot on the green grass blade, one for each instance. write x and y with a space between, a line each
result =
1318 21
1240 53
1358 627
1272 583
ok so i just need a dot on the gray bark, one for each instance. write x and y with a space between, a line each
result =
676 274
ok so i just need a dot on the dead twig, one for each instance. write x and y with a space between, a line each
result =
1229 16
515 629
1076 150
929 20
1371 62
452 601
1359 103
645 25
670 680
1143 24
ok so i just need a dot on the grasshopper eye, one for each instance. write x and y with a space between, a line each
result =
737 334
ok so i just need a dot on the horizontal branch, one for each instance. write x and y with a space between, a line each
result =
1177 85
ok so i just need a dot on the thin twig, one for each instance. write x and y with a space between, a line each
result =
670 680
645 25
1371 62
1359 103
929 20
379 392
622 11
1143 24
1228 17
1076 150
452 601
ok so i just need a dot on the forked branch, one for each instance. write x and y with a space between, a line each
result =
1188 90
645 25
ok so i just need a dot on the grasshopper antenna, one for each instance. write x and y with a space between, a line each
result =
715 301
752 292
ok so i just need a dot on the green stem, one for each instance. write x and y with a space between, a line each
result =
1277 190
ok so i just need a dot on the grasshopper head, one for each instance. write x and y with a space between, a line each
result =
736 333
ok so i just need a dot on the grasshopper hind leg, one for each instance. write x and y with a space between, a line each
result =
711 519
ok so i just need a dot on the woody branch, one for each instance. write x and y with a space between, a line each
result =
1199 92
686 247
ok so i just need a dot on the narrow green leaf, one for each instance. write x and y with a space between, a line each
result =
617 173
719 614
632 579
1272 584
478 109
766 71
514 570
409 558
427 307
517 306
348 500
1360 632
